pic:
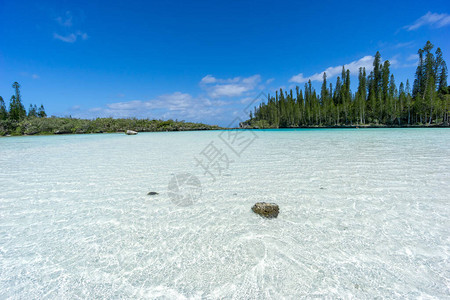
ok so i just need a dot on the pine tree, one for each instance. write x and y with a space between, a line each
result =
16 87
418 81
361 95
17 111
41 112
331 105
393 99
324 96
440 71
337 99
429 96
443 78
346 93
377 75
401 102
3 111
371 101
385 101
408 100
32 111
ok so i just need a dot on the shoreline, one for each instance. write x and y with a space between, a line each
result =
242 128
106 132
351 126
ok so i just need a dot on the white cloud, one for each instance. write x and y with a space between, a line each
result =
232 87
129 105
431 19
410 61
32 75
403 45
365 62
300 78
413 57
170 106
270 80
66 20
208 79
175 101
72 37
394 61
83 35
213 104
228 90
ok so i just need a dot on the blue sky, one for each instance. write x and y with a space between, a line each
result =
199 60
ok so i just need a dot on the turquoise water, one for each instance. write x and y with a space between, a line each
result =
363 213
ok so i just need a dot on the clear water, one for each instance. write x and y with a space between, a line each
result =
363 213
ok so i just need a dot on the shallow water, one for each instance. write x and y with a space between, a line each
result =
363 213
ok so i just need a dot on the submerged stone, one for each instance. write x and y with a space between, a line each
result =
268 210
131 132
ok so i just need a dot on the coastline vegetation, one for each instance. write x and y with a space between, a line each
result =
17 121
377 101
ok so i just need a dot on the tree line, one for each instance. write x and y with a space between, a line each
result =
17 121
377 100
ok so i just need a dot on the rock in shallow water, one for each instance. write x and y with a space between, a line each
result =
268 210
131 132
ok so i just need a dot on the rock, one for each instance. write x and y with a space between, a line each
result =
268 210
152 193
131 132
62 132
244 125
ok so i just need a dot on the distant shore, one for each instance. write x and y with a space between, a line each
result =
106 132
351 126
55 125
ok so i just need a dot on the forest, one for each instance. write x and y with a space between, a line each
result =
377 101
17 121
